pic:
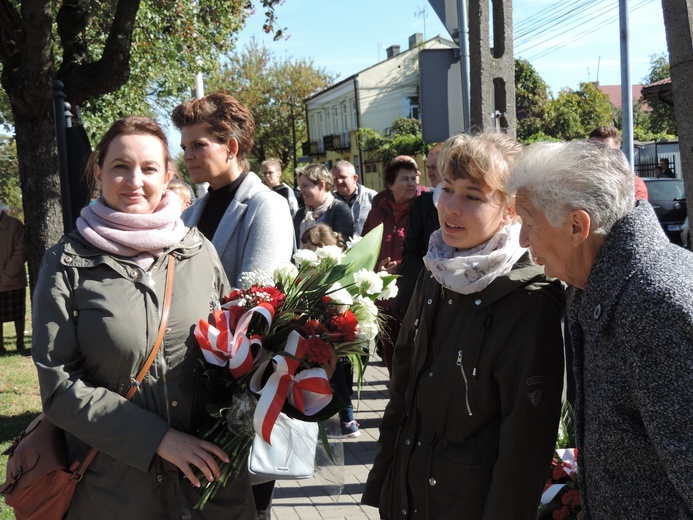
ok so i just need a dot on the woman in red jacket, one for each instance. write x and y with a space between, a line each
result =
392 210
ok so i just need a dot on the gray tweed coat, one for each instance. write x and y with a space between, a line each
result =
632 332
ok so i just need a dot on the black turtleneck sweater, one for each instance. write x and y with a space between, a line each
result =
218 201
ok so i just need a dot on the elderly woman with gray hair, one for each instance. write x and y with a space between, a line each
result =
631 323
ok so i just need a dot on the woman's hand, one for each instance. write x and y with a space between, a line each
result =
388 265
183 450
331 365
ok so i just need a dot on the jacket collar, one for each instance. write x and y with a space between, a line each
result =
524 273
633 242
233 214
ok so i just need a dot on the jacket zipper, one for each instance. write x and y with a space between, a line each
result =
466 383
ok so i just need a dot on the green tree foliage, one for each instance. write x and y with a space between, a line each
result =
112 57
9 173
402 138
532 94
575 113
274 90
662 120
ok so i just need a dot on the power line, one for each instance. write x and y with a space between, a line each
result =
571 38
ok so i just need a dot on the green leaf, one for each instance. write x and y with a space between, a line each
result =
364 254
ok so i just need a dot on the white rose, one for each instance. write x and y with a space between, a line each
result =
364 309
367 330
340 297
306 258
332 253
286 273
339 294
389 292
368 281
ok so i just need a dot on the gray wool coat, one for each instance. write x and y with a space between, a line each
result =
255 233
632 333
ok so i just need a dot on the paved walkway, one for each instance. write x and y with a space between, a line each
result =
310 499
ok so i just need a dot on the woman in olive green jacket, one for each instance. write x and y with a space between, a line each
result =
96 314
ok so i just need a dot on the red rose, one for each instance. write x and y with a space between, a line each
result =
318 351
313 328
345 324
235 295
268 294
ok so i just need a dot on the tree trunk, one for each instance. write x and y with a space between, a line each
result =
40 182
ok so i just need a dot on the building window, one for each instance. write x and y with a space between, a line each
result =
312 130
335 117
410 107
321 127
354 120
345 117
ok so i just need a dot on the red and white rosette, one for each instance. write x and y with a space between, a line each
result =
308 391
227 341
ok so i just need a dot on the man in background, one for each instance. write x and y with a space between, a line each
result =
666 171
610 136
355 195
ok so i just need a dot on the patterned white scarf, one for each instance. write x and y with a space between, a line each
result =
472 270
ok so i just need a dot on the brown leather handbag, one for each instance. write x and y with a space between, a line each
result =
39 485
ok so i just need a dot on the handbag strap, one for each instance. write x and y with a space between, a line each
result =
79 468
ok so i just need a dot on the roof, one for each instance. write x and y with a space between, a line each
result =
614 93
351 78
659 89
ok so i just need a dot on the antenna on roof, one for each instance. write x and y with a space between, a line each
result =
422 13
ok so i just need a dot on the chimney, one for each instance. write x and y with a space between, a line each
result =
392 50
415 39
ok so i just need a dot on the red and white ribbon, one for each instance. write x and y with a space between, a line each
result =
227 341
308 391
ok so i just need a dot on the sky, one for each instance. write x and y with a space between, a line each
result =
568 42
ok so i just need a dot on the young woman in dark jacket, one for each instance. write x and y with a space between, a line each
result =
475 394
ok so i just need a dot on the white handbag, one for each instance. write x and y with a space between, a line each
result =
291 456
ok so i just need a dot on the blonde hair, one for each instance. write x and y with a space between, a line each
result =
316 173
484 158
179 188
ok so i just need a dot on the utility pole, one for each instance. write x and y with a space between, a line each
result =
626 89
293 138
678 22
199 93
463 32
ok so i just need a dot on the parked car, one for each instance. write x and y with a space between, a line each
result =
668 199
686 234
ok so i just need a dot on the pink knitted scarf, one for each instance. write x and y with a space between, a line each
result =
141 237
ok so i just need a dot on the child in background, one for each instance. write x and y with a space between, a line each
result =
343 377
183 192
322 235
